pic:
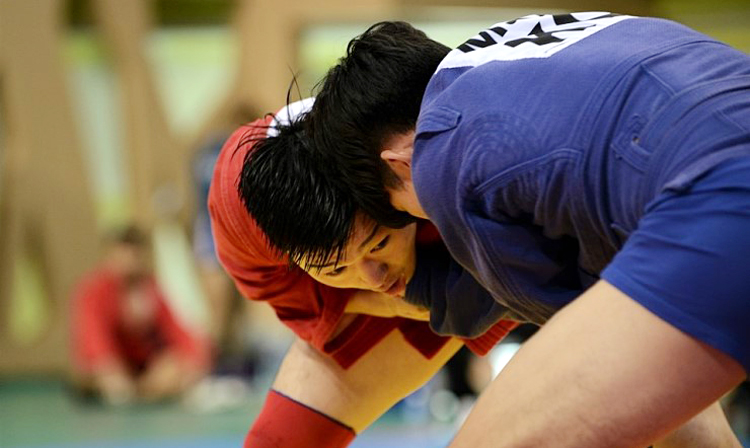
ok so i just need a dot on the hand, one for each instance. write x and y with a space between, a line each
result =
115 385
382 305
165 377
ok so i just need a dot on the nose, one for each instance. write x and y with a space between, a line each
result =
373 273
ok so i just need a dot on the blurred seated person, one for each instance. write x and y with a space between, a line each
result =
127 344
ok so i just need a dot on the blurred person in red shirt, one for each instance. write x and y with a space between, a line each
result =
128 345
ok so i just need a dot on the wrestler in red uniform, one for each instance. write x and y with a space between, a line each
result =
127 343
312 310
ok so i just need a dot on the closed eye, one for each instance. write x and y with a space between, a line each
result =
336 272
381 244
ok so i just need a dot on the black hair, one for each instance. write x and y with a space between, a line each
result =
374 92
305 185
295 200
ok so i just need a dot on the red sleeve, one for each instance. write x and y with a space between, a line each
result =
191 347
94 316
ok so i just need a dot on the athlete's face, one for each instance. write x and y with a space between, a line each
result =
376 258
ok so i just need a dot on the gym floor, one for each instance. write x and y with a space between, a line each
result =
44 414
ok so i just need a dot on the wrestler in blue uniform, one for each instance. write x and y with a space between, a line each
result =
552 151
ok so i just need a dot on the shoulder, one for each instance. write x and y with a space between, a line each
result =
473 128
235 232
235 149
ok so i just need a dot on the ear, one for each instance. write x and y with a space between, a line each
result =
399 162
397 154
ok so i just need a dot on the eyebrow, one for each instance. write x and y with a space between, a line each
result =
369 238
362 244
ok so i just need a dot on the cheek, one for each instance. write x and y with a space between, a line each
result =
405 247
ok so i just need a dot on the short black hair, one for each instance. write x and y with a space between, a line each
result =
374 92
295 200
305 185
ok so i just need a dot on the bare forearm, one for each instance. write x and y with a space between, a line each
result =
376 303
167 375
114 383
603 372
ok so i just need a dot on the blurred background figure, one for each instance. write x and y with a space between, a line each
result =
127 344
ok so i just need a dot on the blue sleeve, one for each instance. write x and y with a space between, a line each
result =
479 182
459 306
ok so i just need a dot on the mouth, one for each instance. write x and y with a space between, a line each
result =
397 288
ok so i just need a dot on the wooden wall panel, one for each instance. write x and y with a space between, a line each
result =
156 158
47 206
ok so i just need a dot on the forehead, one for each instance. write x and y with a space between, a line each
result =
363 227
363 230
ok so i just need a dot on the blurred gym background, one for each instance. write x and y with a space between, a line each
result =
109 110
